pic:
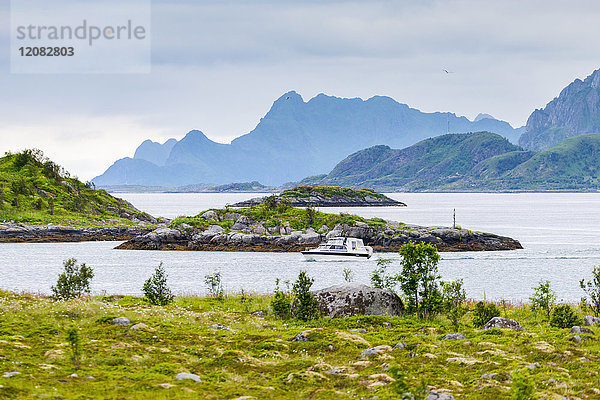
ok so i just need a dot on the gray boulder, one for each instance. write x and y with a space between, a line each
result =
241 223
220 327
232 215
454 336
503 323
431 395
534 365
120 321
210 216
184 375
578 330
399 345
138 326
590 320
301 337
352 299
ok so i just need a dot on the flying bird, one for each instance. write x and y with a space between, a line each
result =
448 72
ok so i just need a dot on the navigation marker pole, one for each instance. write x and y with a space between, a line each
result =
454 218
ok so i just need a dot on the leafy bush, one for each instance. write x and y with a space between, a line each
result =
74 281
454 297
306 306
543 298
379 278
483 313
418 278
214 285
563 316
155 288
74 340
592 289
281 303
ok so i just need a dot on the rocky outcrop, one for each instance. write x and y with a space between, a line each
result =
15 233
352 299
333 201
246 237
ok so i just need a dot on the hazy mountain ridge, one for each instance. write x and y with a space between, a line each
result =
293 140
575 111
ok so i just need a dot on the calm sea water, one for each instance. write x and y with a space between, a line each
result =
560 233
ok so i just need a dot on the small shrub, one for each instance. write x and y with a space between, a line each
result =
281 303
348 275
214 285
543 298
306 306
74 340
155 288
563 316
592 289
483 313
74 281
454 297
379 277
522 388
246 301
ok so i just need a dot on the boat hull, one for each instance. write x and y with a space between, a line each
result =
332 256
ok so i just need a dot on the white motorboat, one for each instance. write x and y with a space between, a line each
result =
340 248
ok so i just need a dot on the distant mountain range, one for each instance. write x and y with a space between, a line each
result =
470 162
558 149
295 139
574 112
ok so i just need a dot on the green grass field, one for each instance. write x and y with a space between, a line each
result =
257 357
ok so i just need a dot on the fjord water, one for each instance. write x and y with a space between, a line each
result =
560 233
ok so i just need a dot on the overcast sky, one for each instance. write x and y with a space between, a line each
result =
217 66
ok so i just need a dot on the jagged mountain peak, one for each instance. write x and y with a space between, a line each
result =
575 111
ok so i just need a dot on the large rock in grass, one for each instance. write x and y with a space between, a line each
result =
590 320
503 323
352 299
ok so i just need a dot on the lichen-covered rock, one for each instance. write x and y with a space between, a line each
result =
454 336
352 299
503 323
210 216
590 320
184 375
431 395
120 321
581 329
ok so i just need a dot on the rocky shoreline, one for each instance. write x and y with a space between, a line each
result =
245 237
23 233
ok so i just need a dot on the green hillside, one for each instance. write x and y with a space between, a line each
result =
35 189
431 163
473 162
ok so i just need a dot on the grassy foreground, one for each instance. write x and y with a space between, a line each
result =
258 359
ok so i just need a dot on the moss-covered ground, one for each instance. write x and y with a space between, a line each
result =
257 357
